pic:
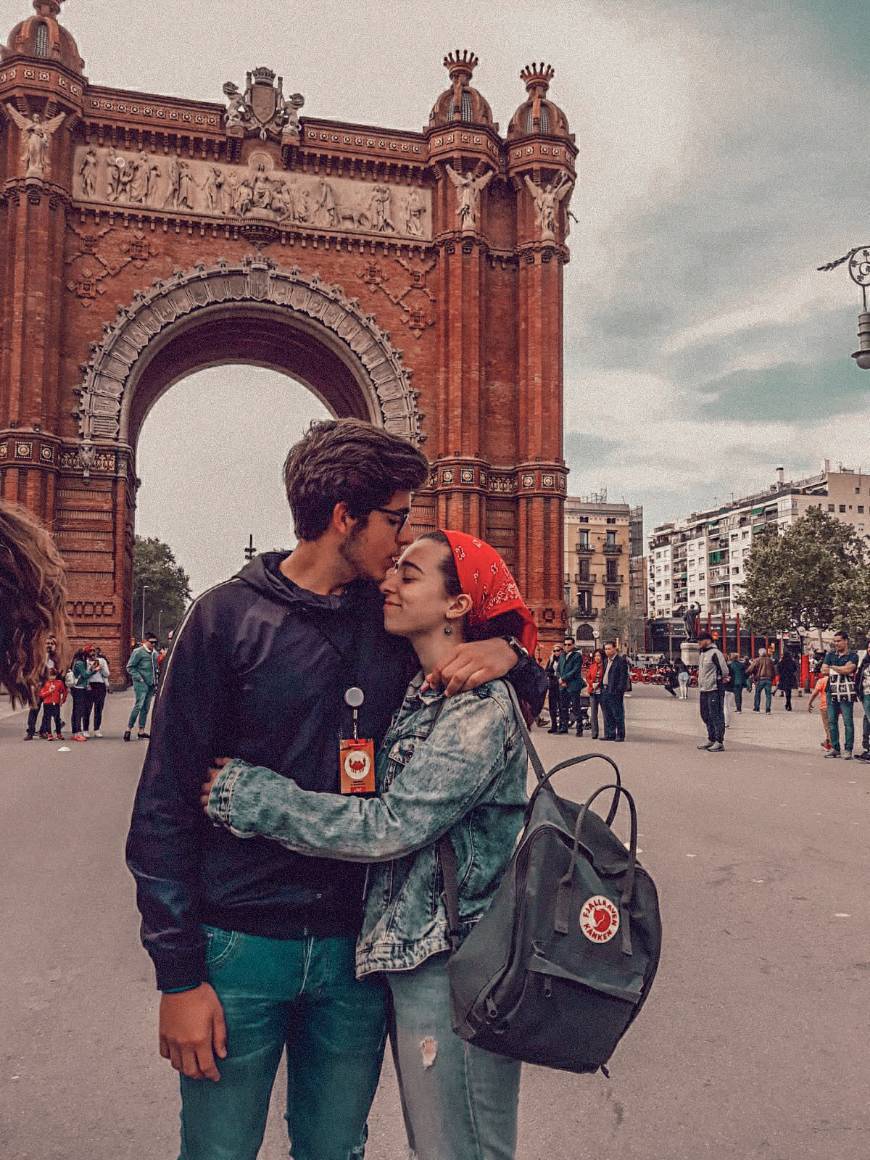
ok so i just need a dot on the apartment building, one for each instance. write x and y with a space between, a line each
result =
603 561
701 559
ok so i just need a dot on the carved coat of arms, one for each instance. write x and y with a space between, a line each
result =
263 108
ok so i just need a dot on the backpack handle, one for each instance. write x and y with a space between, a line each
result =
577 761
563 898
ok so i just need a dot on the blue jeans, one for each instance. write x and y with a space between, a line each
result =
144 694
767 686
300 994
846 709
865 728
459 1101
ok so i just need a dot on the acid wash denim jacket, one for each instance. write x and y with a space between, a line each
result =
457 768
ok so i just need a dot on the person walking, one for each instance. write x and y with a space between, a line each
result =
862 688
253 945
820 692
761 672
669 678
683 678
839 666
570 684
713 676
50 668
454 767
142 667
78 679
593 675
614 686
739 681
552 670
99 687
787 671
52 694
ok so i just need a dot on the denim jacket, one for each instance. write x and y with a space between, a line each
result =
460 771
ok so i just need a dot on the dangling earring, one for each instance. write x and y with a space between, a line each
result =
448 630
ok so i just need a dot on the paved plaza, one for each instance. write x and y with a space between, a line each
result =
753 1044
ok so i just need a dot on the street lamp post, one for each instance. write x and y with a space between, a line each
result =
859 272
250 551
142 632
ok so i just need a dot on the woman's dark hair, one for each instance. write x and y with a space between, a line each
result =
599 654
32 601
347 460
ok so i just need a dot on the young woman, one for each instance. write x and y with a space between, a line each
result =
593 688
81 693
683 678
452 766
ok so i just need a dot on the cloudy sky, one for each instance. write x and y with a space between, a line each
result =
722 158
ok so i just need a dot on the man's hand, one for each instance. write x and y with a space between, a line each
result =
473 664
193 1031
563 684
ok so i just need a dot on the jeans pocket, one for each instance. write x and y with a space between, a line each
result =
219 946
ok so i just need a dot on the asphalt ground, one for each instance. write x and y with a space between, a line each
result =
753 1044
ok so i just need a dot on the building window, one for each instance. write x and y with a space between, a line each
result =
612 575
860 509
611 598
831 507
584 538
583 519
41 46
842 507
584 571
610 519
611 541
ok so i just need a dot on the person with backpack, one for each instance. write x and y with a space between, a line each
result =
713 676
454 767
254 945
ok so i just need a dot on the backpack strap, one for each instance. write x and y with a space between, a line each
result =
449 873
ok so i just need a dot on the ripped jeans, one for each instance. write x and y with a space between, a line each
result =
459 1101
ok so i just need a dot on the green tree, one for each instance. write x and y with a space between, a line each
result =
616 624
793 578
851 599
167 586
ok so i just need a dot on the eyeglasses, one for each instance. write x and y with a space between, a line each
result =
400 514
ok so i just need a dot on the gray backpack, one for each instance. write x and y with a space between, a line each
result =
562 962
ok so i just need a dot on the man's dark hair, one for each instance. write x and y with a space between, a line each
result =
350 461
150 636
842 632
611 642
567 638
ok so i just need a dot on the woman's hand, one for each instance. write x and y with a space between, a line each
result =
213 774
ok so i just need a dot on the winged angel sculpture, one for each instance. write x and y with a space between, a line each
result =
546 201
36 137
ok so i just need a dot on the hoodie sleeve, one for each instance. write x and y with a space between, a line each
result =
163 846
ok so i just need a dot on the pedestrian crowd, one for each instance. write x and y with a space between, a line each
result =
587 692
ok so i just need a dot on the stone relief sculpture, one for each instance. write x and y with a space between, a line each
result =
256 189
36 137
546 201
88 173
238 112
468 190
263 108
290 112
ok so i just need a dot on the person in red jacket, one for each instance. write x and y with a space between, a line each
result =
53 694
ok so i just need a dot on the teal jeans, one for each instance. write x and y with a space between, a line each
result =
144 695
845 709
302 995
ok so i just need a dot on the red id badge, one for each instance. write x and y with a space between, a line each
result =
356 759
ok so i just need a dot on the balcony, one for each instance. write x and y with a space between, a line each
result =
612 549
584 613
585 550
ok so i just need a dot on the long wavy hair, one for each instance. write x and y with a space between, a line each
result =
32 601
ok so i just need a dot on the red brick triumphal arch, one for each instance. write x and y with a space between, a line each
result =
413 279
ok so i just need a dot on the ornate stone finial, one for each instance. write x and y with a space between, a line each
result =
537 76
460 64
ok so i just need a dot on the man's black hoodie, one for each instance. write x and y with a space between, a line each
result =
258 670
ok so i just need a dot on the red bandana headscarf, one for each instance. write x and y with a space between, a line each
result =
484 576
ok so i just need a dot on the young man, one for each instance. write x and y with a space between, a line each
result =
713 676
570 684
254 945
614 686
142 667
839 667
